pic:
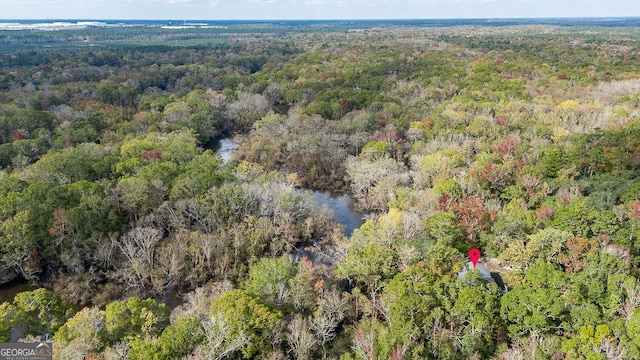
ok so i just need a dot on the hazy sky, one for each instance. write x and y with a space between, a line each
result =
311 9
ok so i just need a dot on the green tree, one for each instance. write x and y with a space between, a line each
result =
575 218
128 319
82 335
176 341
370 262
181 339
443 228
599 283
545 244
536 306
247 317
274 282
43 311
89 162
477 312
633 329
413 309
9 318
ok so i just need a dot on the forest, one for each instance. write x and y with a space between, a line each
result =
139 242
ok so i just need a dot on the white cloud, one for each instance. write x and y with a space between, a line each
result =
318 9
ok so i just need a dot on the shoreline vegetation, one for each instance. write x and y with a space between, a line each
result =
519 138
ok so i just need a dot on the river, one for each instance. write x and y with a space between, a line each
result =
10 289
342 205
225 148
343 210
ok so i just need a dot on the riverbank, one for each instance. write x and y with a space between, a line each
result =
342 205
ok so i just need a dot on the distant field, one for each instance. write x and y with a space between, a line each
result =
132 36
177 42
151 33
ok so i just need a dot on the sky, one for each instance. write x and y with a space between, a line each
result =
312 9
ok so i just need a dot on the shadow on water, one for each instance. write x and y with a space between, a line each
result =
9 290
172 297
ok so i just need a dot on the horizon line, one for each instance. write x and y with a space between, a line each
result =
336 19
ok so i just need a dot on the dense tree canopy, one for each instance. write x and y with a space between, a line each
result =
522 141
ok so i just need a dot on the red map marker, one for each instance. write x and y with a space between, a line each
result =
474 255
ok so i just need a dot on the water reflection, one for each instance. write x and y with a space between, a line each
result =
343 211
225 148
342 205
